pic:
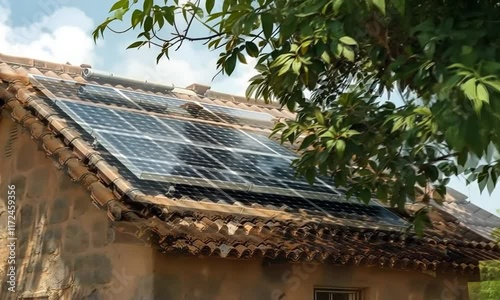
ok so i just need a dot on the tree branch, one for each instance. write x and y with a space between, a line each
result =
117 31
444 157
188 25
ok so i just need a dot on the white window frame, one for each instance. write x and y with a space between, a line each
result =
354 294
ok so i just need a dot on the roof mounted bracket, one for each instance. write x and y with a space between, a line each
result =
104 77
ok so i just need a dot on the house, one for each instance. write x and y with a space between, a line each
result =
126 191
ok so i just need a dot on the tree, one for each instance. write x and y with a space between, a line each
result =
438 58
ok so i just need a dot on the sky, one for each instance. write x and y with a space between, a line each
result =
60 31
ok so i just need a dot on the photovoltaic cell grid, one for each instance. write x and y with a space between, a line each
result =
240 116
153 103
170 106
165 149
84 92
351 211
217 144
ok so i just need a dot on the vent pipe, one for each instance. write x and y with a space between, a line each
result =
104 77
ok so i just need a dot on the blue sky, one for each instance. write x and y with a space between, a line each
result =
60 31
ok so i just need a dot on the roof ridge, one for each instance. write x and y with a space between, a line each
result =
77 70
43 64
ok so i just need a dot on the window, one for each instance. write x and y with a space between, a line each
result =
337 294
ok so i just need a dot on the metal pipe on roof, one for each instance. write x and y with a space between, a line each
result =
105 77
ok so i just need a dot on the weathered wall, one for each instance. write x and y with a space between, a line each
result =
188 278
64 250
63 241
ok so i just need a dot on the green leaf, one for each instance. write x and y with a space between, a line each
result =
462 158
209 5
494 84
119 4
291 105
285 67
230 64
400 6
365 195
469 88
382 193
252 49
327 134
457 66
490 185
319 116
348 53
422 180
147 5
148 24
163 52
380 4
267 24
310 175
432 172
326 57
336 6
242 58
482 184
347 40
430 49
296 64
159 18
168 14
482 93
340 148
308 141
423 110
119 13
136 44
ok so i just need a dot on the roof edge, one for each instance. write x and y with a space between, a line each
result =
77 70
43 64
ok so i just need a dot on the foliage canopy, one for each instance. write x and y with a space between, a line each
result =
439 60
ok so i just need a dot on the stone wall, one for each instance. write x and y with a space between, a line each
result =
63 247
66 250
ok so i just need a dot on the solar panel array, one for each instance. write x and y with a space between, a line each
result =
160 104
190 152
201 159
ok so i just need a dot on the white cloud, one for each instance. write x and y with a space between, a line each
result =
188 65
54 33
192 63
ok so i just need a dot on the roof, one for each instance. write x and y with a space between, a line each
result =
470 215
201 221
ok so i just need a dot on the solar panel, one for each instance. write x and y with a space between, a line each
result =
95 117
186 130
84 92
175 106
170 106
241 116
148 125
204 161
160 158
344 210
274 146
232 138
146 143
